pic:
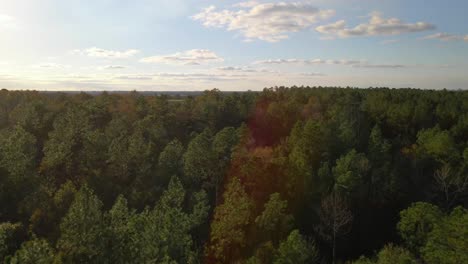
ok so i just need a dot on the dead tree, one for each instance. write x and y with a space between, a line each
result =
335 218
451 186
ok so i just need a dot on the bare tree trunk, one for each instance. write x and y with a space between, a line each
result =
334 243
336 219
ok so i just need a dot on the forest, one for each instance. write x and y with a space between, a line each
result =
284 175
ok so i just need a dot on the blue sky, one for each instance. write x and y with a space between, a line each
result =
232 45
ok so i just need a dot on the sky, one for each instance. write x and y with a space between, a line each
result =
91 45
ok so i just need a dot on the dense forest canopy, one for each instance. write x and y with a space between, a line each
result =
286 175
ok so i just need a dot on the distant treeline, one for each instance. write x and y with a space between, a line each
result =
286 175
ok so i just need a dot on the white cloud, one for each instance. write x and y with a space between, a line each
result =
190 57
352 63
202 76
113 67
49 65
235 69
447 37
135 77
240 69
309 61
270 22
382 66
247 69
246 4
109 54
281 61
376 26
312 74
194 75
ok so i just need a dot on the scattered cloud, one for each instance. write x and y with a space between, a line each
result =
376 26
447 37
49 65
312 74
246 4
352 63
180 76
194 75
243 69
270 22
113 67
382 66
109 54
134 77
309 61
281 61
189 57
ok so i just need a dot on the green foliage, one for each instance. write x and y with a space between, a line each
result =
296 250
122 231
63 150
383 183
274 219
437 237
83 234
165 234
199 161
18 163
390 254
170 160
35 251
363 260
7 238
19 153
32 116
64 197
380 149
350 171
437 143
265 253
447 243
307 145
416 223
230 220
223 143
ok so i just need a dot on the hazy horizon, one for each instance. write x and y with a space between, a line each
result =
187 45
